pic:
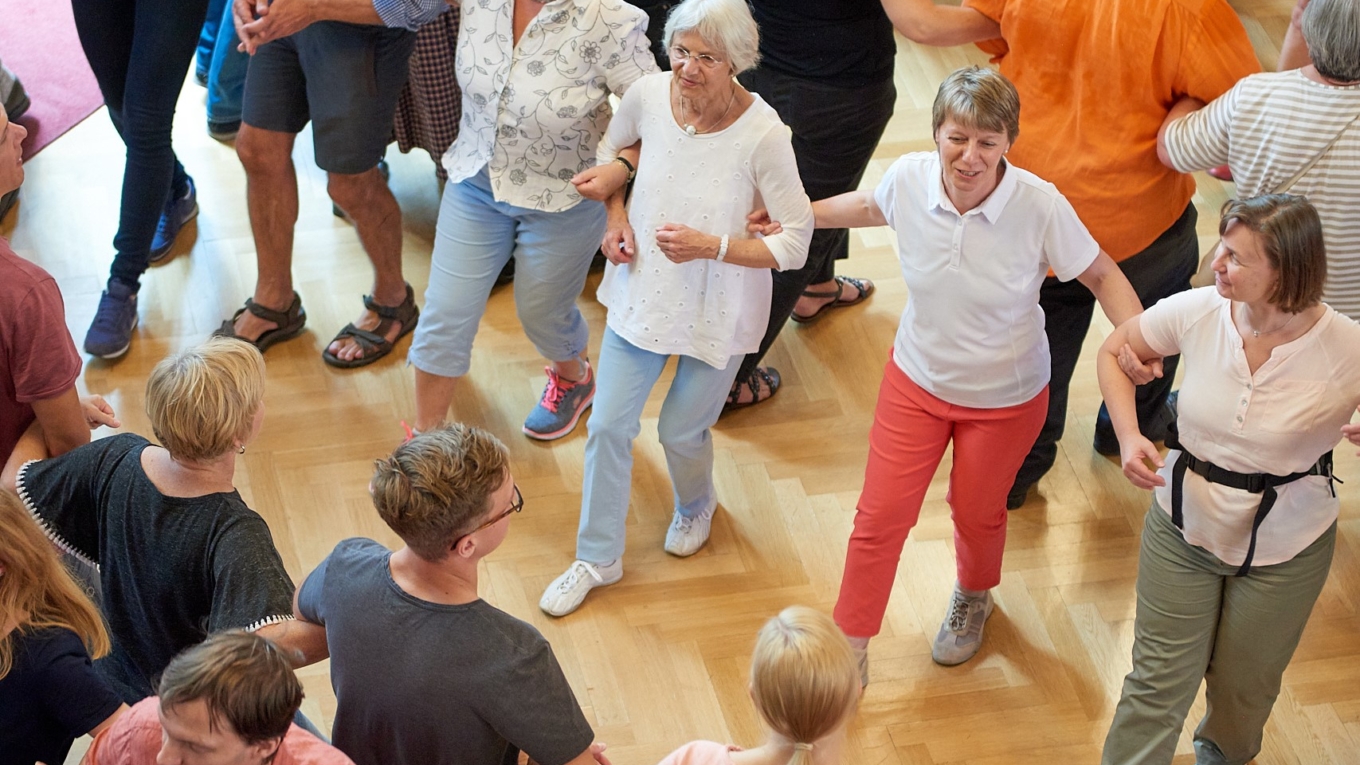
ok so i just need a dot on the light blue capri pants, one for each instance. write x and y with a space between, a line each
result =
474 238
624 377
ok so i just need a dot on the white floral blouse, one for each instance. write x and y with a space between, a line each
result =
533 113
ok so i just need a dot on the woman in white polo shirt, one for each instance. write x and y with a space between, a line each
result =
1239 538
976 236
685 277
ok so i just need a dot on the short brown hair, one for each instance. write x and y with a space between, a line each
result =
1291 237
244 679
978 97
437 486
202 402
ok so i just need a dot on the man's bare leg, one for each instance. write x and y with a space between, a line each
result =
272 198
368 201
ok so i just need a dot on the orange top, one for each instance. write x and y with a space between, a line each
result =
1096 80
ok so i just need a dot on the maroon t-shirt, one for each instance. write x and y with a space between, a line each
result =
38 359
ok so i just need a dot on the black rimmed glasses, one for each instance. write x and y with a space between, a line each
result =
681 54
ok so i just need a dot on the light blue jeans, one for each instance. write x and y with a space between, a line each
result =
226 70
624 375
474 238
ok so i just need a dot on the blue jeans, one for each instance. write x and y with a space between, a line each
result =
474 238
139 51
624 376
226 68
207 35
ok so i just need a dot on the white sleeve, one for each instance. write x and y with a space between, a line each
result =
1069 249
776 178
1199 140
1165 323
634 57
624 127
885 194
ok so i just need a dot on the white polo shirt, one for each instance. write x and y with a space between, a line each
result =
1278 420
972 333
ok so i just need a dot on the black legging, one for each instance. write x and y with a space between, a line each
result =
139 51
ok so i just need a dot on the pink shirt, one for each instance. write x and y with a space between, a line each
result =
135 739
701 753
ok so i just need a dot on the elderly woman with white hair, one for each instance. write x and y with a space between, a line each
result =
1294 130
685 278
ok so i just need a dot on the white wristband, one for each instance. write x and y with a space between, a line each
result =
722 249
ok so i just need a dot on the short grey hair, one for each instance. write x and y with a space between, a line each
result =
725 24
1331 28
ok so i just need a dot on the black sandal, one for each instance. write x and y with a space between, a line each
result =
290 323
865 287
767 375
374 343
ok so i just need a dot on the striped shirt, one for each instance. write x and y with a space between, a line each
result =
1267 128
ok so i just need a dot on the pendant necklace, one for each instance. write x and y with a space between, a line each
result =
1257 333
690 129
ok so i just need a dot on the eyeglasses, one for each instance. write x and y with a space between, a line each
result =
516 505
706 61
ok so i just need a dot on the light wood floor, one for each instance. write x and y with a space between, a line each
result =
661 658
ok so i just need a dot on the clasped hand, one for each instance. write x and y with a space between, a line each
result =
261 21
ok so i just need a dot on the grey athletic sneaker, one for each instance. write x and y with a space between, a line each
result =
561 407
960 635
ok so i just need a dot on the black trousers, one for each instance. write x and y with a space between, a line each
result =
1162 269
835 131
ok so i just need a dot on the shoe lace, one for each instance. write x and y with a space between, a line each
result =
576 573
555 392
683 523
109 312
958 613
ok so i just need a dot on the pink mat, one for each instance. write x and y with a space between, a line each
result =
38 43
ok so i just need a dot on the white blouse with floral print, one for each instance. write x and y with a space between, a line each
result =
533 113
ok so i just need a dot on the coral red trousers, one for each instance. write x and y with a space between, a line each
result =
910 432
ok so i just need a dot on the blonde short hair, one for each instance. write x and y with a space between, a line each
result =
202 402
804 677
437 486
980 98
725 24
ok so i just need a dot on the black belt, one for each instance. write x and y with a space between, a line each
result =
1256 483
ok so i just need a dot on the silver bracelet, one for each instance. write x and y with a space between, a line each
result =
722 249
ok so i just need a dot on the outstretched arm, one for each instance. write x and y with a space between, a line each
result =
853 209
922 21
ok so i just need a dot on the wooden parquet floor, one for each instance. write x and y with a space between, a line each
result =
661 658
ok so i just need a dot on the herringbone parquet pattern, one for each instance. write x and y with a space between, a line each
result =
661 658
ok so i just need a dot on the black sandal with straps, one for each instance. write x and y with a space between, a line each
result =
767 375
374 343
289 323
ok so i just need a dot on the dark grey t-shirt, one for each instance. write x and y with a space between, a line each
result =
419 683
172 569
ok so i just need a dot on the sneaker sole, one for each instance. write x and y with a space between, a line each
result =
119 353
566 429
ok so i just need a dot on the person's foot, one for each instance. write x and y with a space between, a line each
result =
178 211
110 333
1016 497
763 383
17 102
347 348
686 535
840 292
960 636
561 407
249 327
566 593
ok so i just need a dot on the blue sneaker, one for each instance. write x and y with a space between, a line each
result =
177 213
111 332
561 407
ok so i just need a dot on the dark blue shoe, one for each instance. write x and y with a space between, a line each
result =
177 213
111 332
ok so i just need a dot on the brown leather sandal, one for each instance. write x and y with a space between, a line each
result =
767 375
865 287
290 323
374 343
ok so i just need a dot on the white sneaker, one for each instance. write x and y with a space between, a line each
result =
567 591
686 535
